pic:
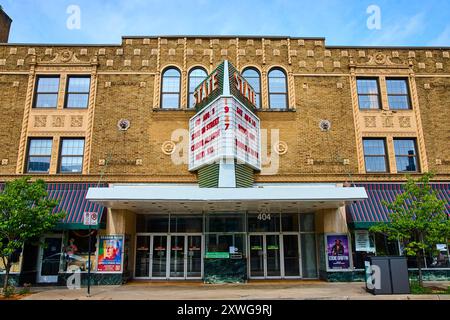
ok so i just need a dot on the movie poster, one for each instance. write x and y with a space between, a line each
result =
110 254
338 252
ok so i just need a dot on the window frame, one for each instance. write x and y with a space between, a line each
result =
416 155
259 106
27 158
408 92
380 101
162 93
67 93
286 93
386 159
189 84
36 88
60 155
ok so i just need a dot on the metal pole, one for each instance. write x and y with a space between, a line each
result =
89 264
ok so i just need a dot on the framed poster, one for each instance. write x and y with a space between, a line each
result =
363 241
338 251
110 253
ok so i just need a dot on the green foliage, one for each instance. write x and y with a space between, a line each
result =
9 291
25 213
417 218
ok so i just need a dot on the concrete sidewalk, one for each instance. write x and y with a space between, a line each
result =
298 290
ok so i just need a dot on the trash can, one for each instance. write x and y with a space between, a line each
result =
390 276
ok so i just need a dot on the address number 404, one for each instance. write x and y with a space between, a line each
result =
264 216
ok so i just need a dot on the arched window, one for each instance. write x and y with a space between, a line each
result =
278 97
253 77
170 91
196 76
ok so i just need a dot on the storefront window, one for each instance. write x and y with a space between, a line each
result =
438 257
76 250
289 222
225 222
359 254
152 223
186 224
307 222
309 260
226 243
386 247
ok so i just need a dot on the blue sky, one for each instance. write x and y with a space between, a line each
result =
341 22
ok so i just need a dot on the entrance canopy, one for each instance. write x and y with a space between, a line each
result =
177 198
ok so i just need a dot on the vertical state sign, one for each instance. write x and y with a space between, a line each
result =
225 126
225 129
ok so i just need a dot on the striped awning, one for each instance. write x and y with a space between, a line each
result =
363 214
72 200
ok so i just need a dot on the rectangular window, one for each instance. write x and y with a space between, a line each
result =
77 95
375 155
368 93
398 94
72 152
406 155
47 88
39 155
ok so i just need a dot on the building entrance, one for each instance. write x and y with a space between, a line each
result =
274 256
169 256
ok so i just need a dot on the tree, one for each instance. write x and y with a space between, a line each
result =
25 213
417 218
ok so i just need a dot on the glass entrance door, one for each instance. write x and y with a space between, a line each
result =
159 256
164 256
177 256
194 257
257 256
50 257
274 256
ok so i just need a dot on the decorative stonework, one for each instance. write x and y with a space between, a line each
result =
325 125
172 52
168 147
2 62
388 121
281 148
344 53
58 121
76 121
223 52
336 64
310 161
101 162
123 124
137 52
370 121
20 62
310 53
319 64
119 52
327 53
5 162
339 85
40 121
139 162
301 42
404 122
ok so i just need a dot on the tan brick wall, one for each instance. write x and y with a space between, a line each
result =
320 88
13 91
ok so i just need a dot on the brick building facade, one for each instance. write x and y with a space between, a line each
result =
331 117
